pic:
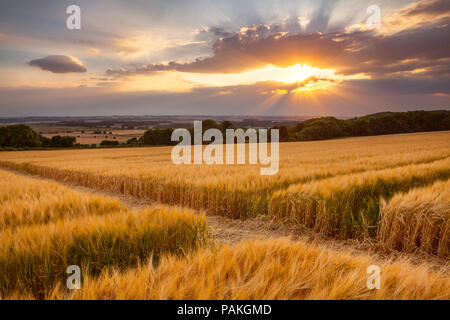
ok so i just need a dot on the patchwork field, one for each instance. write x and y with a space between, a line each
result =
84 137
388 191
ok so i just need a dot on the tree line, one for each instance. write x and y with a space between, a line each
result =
329 127
22 136
378 124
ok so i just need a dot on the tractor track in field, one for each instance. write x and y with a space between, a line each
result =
230 231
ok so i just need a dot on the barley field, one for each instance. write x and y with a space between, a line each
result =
61 208
235 191
25 201
418 219
38 246
349 205
271 269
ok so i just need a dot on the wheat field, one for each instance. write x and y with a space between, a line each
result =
349 205
25 201
418 220
235 191
271 269
73 228
389 190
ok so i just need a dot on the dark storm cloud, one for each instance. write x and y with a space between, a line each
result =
58 64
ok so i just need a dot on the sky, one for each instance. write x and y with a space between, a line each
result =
199 57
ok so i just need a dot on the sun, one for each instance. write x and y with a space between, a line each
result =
301 72
288 75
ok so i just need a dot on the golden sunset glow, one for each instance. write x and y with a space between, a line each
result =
257 150
296 57
293 74
301 76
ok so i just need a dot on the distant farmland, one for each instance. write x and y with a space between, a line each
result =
89 137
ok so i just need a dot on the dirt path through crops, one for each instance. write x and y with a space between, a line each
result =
230 231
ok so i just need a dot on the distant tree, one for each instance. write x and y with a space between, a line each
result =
62 142
292 133
377 124
321 128
226 125
210 124
133 141
19 136
109 143
158 137
46 142
284 133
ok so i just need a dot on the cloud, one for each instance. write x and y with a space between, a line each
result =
94 51
401 85
427 47
417 14
129 50
211 33
405 67
427 7
348 53
357 97
59 64
422 45
250 48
